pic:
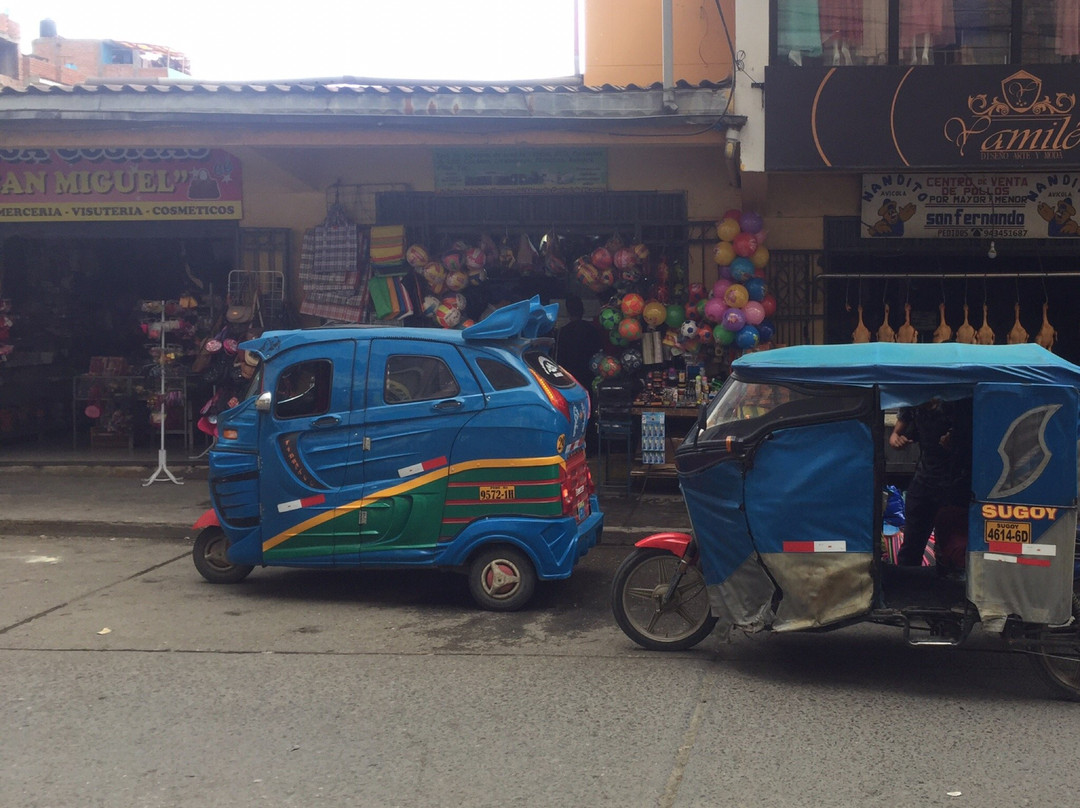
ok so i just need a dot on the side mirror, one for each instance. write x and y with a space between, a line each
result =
702 416
264 402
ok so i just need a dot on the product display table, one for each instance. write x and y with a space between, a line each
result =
675 423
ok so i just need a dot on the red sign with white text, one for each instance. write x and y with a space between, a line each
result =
148 184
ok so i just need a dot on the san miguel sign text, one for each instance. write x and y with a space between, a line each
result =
149 184
985 118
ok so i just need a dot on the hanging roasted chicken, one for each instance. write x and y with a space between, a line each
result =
907 332
861 332
885 332
943 333
1047 335
985 334
966 333
1017 334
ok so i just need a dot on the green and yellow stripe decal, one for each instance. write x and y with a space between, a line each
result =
528 486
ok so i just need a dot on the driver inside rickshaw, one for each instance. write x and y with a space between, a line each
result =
741 401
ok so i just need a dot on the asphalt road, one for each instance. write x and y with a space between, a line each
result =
125 680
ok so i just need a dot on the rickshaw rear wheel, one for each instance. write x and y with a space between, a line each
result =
501 579
637 593
1061 669
209 555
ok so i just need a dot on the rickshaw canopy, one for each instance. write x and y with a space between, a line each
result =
908 374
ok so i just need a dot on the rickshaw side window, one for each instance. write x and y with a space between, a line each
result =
742 401
410 377
500 375
303 389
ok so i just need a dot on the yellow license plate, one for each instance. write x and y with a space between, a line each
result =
1007 531
489 493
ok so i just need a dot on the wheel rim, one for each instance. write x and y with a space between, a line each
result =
215 553
500 579
681 616
1063 668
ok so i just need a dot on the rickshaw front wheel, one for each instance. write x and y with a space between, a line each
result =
1058 661
501 579
645 613
209 555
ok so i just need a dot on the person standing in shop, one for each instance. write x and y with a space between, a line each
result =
577 342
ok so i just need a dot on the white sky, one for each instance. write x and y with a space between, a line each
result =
248 40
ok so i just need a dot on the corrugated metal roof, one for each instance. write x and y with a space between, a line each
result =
348 97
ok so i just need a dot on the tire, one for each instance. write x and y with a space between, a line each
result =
640 582
210 559
1058 668
501 579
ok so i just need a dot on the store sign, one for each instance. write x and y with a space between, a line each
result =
966 205
514 169
108 185
983 117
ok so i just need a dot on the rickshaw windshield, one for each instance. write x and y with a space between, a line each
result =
741 401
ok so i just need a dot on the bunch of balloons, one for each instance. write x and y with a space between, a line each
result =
740 304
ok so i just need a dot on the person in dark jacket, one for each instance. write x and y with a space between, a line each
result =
577 342
942 477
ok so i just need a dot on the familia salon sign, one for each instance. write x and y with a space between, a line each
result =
122 184
966 205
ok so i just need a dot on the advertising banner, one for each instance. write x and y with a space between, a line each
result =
979 117
966 205
108 185
521 169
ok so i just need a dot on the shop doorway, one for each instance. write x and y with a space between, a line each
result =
76 296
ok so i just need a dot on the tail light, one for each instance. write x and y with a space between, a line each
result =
557 399
576 485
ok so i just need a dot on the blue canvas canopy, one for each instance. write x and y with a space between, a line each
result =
908 374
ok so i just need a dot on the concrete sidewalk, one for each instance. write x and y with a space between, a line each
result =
111 500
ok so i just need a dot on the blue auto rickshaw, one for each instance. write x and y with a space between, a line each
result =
784 476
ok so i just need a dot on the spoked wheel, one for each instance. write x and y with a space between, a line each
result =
637 599
501 579
209 554
1057 659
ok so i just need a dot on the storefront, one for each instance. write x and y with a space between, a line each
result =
955 216
137 258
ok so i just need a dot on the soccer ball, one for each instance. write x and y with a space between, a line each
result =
688 330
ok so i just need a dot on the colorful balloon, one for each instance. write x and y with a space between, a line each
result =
675 315
654 313
714 309
744 244
748 337
751 222
755 287
732 213
723 253
760 257
720 287
734 320
766 329
741 270
697 292
769 304
723 336
736 296
728 229
754 312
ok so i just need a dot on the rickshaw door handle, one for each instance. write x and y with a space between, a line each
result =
326 420
449 404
